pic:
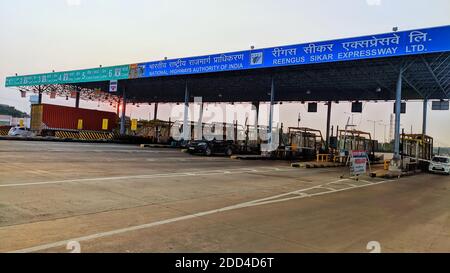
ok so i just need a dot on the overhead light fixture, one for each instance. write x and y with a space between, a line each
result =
378 90
308 92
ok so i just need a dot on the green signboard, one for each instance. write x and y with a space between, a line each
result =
86 75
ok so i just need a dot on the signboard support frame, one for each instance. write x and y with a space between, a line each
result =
398 102
424 118
186 129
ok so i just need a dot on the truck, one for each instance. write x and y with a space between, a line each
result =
47 119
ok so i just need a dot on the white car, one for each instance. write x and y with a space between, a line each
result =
20 131
440 164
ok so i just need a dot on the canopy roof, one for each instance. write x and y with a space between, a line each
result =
362 68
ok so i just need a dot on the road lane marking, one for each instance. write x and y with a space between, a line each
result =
254 203
161 175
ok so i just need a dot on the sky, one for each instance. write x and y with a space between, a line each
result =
45 35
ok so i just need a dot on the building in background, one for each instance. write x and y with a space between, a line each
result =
10 116
5 120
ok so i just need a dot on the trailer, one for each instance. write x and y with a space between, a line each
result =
48 120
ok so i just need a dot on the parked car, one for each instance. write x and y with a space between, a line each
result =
211 147
440 164
20 131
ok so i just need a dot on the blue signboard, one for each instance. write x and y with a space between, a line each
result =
375 46
411 42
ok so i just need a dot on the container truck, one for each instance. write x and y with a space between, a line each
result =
46 119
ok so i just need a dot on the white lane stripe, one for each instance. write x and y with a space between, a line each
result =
181 218
162 175
290 193
315 194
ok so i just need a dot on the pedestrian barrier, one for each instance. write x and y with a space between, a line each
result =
4 132
86 135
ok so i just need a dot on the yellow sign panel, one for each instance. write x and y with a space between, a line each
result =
21 123
105 124
80 124
134 124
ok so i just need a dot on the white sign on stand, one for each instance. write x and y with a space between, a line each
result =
358 162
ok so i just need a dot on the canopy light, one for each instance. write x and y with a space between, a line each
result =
357 107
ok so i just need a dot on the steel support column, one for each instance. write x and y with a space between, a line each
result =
124 109
198 128
272 101
77 99
200 116
327 143
398 102
186 127
256 105
424 117
155 113
40 94
118 107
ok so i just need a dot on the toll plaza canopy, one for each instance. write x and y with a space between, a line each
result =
361 68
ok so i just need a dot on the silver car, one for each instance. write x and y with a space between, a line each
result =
20 131
440 164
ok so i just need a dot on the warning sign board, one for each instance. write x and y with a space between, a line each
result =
134 124
113 86
105 124
358 162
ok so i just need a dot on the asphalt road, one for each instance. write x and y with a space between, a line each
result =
122 198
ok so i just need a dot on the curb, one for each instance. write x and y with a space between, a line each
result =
156 146
309 165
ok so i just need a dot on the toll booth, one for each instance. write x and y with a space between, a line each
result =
355 140
417 146
302 142
157 131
